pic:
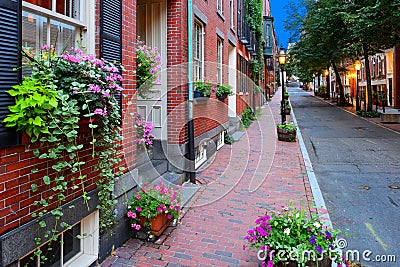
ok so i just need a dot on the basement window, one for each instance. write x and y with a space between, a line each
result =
220 140
201 155
69 250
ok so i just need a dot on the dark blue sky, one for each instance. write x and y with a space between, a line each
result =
279 14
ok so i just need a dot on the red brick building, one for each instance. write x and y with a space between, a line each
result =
108 30
222 46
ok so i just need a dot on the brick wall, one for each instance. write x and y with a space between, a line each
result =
177 68
210 114
17 162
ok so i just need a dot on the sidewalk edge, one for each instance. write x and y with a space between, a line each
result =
316 191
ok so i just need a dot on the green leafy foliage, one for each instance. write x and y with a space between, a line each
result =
369 114
228 139
63 93
223 90
204 87
248 117
288 127
33 104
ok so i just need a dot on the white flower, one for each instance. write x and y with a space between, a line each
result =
317 224
286 231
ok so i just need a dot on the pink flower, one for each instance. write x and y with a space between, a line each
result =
139 209
171 207
129 214
159 210
138 196
138 227
169 216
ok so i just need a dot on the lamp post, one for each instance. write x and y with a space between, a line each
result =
357 66
313 75
328 86
282 62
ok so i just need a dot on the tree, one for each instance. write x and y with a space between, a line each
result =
373 25
323 40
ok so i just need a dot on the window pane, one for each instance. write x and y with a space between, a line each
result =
29 30
53 255
72 245
28 261
42 3
69 8
62 35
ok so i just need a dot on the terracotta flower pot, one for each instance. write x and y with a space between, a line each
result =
158 223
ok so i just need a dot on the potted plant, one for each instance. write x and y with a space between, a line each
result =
286 132
292 237
148 68
223 90
288 108
153 207
203 89
285 95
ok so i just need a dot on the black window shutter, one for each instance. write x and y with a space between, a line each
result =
10 58
111 32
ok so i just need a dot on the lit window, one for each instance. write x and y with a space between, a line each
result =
198 56
219 60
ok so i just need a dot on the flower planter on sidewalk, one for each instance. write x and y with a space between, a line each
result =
285 135
158 223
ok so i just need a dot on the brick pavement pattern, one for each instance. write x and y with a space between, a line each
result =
244 180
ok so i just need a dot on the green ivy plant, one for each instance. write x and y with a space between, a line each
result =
63 94
248 117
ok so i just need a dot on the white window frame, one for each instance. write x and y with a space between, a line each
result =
220 140
231 14
198 51
201 155
86 23
89 244
220 46
220 6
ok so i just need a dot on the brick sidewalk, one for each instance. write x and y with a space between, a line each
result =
240 183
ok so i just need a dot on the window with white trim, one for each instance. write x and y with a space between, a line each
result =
74 247
219 60
231 14
220 140
201 155
62 23
198 51
219 6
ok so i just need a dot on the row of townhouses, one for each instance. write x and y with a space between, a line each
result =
213 35
385 79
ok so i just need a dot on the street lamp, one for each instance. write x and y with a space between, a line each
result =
328 87
282 62
357 66
313 75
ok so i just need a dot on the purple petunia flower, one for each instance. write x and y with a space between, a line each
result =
319 249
